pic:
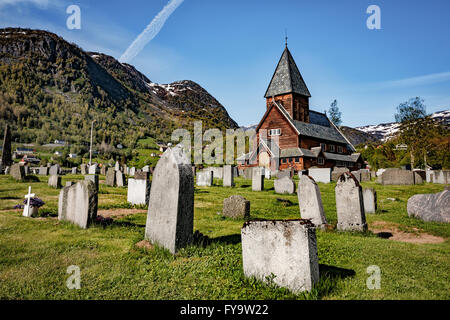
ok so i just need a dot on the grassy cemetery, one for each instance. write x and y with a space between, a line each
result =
116 263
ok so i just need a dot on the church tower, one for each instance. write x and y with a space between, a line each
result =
288 88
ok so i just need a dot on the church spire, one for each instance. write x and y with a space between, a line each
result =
287 77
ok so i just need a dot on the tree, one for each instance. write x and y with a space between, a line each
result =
335 114
411 110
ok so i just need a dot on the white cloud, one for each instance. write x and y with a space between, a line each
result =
150 31
418 81
40 3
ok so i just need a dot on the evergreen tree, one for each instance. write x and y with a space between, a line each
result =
335 114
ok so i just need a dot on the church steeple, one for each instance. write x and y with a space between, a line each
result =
288 88
287 78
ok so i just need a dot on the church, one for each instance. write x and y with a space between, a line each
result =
302 138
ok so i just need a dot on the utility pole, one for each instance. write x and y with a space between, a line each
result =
90 149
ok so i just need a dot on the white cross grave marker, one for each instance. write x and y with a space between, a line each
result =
26 211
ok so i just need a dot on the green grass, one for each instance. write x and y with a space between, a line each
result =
35 253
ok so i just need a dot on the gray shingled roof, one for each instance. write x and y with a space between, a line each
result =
318 131
339 157
296 152
318 118
286 78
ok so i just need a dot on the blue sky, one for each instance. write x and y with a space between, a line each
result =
231 48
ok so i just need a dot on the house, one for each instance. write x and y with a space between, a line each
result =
23 151
304 138
72 155
58 153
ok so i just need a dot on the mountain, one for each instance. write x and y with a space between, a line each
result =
385 130
51 89
357 137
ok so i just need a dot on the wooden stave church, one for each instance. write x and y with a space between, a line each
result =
306 138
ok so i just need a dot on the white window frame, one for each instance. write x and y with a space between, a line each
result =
320 161
274 132
332 148
340 149
323 146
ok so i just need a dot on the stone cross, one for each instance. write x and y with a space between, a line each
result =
30 195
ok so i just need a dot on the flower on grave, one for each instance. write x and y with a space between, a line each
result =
34 202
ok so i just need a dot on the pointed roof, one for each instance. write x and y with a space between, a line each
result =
287 78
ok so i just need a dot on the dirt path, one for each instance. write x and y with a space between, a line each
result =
391 231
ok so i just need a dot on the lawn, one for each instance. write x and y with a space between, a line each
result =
35 253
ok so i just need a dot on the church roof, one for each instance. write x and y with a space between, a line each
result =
287 78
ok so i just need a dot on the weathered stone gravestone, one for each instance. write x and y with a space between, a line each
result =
349 204
138 191
132 171
117 166
320 174
217 172
26 170
74 170
364 175
54 181
236 207
248 173
83 169
69 183
267 173
43 171
170 218
120 179
17 172
283 250
442 176
204 178
380 172
258 179
110 177
370 200
357 175
393 176
284 173
235 171
93 169
337 171
417 178
78 203
430 207
228 176
103 170
146 169
7 170
310 202
284 185
142 175
429 175
54 170
94 178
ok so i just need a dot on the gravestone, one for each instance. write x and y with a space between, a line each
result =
74 170
349 204
146 169
258 179
364 175
17 172
284 185
54 181
337 171
43 171
204 178
69 183
6 151
7 170
228 176
83 169
430 207
110 177
132 171
370 200
380 172
284 251
94 178
267 173
93 169
357 175
417 178
170 218
235 171
54 170
217 172
120 179
138 191
26 170
284 173
117 166
248 173
320 174
441 176
236 207
393 176
429 176
310 201
141 175
103 170
78 203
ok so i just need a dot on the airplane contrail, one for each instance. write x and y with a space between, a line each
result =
150 31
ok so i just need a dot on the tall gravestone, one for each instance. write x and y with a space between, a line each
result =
78 203
103 170
205 178
320 174
54 170
349 204
43 171
117 166
370 200
6 151
120 179
74 170
83 169
93 169
170 217
110 177
94 178
228 176
138 191
284 249
310 201
54 181
258 179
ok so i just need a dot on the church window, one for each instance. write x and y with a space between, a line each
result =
323 146
331 147
320 160
339 149
274 132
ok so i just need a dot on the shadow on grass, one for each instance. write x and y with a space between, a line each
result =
229 239
127 224
329 277
10 198
31 178
245 186
200 191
